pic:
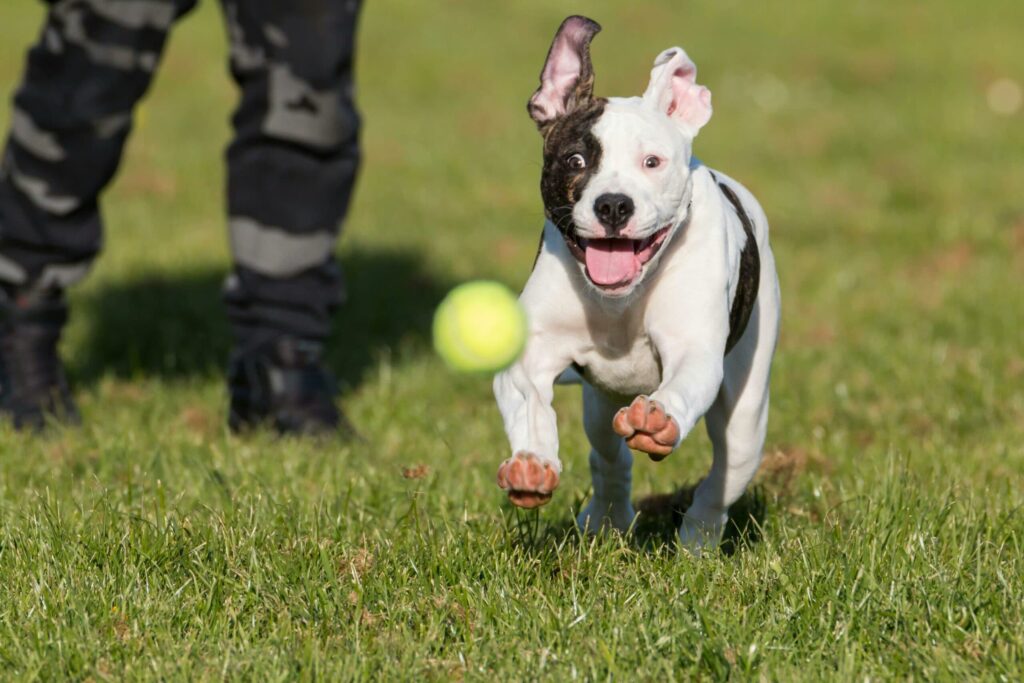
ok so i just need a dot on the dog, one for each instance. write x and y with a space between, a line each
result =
654 287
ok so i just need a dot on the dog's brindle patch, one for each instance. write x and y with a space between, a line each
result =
750 272
561 186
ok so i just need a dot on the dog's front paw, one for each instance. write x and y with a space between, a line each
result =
528 480
647 427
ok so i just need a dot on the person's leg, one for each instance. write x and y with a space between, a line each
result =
70 119
291 169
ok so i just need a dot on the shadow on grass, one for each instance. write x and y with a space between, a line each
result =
173 325
661 515
657 523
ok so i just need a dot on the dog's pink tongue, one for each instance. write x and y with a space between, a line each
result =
611 262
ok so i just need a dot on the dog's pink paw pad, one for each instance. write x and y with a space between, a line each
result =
529 481
646 427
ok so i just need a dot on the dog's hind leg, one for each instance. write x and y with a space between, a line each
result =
611 467
737 423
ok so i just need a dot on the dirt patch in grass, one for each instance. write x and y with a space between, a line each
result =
415 471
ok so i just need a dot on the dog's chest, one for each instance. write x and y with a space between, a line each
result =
621 363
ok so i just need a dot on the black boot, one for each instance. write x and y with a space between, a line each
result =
283 383
32 381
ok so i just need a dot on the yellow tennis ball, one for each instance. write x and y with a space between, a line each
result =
479 327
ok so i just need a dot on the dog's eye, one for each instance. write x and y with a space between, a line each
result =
576 162
652 161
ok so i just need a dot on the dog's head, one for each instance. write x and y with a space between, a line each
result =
616 179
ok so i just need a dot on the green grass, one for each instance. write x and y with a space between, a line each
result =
888 530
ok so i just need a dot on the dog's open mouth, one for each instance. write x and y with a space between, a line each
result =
617 262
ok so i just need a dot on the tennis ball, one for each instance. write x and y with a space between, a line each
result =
479 327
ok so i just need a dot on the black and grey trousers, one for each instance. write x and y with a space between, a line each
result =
291 165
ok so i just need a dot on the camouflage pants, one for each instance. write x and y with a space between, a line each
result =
291 164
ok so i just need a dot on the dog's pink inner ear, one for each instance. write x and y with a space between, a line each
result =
691 103
561 72
567 77
674 90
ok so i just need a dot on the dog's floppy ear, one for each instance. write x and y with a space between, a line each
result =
567 80
673 90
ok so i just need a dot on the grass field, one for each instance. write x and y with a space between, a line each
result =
887 532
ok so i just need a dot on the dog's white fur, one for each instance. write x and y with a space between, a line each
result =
665 334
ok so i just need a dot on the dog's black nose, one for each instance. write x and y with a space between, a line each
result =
613 210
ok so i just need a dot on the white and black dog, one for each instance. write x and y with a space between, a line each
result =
654 284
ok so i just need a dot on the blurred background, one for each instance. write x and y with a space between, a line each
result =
884 139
